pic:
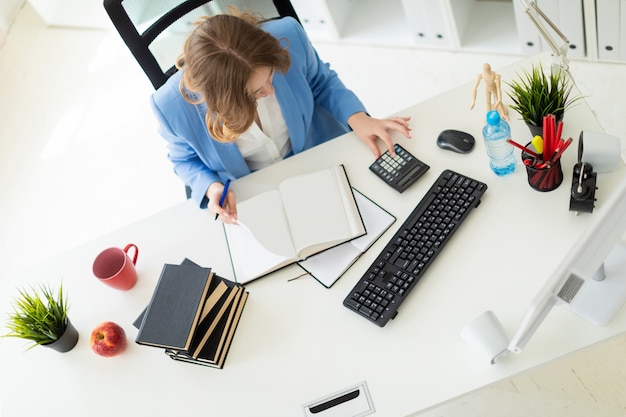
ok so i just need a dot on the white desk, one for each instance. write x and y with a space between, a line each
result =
296 342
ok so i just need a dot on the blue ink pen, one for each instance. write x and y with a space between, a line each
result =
223 197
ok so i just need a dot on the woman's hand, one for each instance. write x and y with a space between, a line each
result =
368 129
228 212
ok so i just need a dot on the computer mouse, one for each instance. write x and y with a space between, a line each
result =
456 141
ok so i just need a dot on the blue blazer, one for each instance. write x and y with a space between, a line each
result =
314 101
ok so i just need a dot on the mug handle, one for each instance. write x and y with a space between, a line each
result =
132 245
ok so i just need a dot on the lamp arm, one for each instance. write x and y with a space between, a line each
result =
538 17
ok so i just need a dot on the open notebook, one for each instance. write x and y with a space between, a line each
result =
307 214
328 266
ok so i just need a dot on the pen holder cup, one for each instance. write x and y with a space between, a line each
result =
542 176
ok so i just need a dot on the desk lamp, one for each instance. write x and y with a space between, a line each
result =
540 19
591 279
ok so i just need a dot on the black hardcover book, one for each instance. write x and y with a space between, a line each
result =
216 348
139 319
173 313
213 344
225 343
208 326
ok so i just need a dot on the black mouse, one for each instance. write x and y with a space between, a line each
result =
456 141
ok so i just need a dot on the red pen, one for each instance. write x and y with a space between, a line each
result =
524 148
546 139
555 138
559 131
559 151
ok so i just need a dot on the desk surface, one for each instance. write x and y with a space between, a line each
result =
296 342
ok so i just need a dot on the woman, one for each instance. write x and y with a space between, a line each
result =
249 94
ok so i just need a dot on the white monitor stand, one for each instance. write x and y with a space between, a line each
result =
590 281
600 298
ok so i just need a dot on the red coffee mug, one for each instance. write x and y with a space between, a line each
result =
114 267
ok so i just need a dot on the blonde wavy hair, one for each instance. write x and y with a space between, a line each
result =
217 61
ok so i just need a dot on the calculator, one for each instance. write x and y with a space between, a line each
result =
399 171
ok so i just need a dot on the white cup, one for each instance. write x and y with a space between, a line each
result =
486 336
602 151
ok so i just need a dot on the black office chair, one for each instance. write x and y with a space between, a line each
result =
143 24
140 22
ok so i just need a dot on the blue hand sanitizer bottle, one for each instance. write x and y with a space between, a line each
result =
500 152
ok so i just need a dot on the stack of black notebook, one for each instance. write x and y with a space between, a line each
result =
193 314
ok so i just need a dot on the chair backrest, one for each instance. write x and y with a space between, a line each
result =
143 24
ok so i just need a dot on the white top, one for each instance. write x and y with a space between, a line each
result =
268 143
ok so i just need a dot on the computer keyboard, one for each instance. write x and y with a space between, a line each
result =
406 257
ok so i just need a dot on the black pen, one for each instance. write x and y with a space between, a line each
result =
223 197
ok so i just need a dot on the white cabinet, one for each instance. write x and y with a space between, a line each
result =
492 26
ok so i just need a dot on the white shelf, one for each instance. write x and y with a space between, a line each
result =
485 26
377 22
488 26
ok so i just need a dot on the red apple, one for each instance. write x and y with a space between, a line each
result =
108 339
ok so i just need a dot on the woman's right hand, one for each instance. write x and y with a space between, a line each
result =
228 212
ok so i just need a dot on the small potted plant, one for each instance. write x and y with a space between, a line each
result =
536 94
40 316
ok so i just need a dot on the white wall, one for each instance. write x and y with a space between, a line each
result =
8 12
73 13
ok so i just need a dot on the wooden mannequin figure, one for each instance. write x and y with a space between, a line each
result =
493 92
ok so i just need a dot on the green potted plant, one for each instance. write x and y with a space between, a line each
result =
40 316
536 94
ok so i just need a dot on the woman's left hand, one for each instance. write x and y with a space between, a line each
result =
369 129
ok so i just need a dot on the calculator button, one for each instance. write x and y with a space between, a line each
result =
399 171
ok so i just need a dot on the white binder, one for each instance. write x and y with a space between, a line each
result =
428 21
567 15
608 18
438 21
551 9
317 20
623 30
529 38
417 20
572 25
